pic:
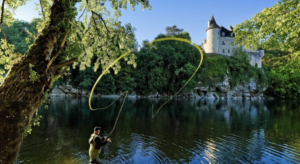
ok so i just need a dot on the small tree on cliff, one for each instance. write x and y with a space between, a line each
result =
62 40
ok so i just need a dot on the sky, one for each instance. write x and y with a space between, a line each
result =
190 15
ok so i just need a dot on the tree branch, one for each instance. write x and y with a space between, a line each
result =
60 65
62 72
95 24
60 49
81 14
58 76
42 9
1 22
2 11
101 20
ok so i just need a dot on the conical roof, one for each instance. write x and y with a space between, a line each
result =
213 24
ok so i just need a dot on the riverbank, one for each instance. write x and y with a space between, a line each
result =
222 90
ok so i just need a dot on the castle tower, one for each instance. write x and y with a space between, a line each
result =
213 35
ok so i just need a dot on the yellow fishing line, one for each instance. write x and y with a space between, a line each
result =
157 40
99 80
201 56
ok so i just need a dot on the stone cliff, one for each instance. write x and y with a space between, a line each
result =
222 90
246 90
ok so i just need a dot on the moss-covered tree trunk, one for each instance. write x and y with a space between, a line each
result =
20 97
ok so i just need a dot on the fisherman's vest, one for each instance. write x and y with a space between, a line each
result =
93 152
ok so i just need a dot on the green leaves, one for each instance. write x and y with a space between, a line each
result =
109 38
34 122
285 75
6 57
275 27
98 32
20 34
165 66
33 75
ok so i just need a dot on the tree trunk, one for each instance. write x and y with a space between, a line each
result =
20 97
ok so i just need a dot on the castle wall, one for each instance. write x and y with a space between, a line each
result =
255 57
228 46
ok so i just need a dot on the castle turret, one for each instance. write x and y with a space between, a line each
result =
213 34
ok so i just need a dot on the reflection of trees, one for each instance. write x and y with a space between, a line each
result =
188 130
284 126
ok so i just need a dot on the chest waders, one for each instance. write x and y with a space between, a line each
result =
93 152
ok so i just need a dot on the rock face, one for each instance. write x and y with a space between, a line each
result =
248 90
222 90
68 91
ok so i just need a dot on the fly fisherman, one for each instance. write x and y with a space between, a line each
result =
96 142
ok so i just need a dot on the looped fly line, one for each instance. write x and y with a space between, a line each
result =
157 40
201 57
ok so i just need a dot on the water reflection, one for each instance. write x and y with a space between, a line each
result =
184 131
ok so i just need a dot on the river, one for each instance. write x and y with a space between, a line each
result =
183 131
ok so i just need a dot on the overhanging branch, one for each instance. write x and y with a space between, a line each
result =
1 22
95 24
42 9
101 20
81 14
2 11
60 65
62 72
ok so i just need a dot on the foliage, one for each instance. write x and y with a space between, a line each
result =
213 69
124 80
33 75
162 69
241 70
276 30
88 36
7 57
237 67
20 34
86 79
34 122
274 27
285 77
172 31
165 67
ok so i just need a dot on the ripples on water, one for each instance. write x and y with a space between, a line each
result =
184 131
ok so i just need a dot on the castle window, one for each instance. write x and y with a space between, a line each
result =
223 51
228 50
223 43
223 33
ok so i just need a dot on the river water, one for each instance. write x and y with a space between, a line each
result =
184 131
